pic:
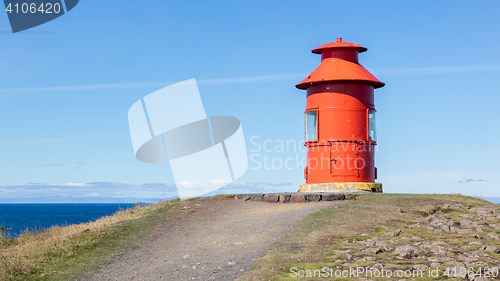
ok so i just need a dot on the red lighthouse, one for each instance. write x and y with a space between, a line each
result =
340 121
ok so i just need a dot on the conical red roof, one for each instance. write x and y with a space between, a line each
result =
335 69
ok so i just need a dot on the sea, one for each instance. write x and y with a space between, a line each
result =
16 218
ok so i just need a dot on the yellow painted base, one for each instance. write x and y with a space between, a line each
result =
342 186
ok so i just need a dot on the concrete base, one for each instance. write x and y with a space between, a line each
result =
343 187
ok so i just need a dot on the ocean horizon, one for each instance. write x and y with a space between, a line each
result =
16 218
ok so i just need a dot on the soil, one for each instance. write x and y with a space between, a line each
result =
215 239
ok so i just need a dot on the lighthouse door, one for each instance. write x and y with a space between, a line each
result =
342 160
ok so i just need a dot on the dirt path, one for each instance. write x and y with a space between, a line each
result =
217 239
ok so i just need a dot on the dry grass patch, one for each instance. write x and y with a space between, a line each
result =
62 253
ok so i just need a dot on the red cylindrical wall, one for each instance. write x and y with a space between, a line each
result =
339 131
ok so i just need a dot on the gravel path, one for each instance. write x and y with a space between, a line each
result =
216 239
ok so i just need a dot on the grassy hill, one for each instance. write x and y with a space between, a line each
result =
374 233
415 236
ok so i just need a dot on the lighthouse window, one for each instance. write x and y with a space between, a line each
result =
372 134
311 125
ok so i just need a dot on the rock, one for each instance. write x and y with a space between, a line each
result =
476 254
406 252
314 197
238 196
475 243
495 225
475 236
490 249
420 267
374 250
467 224
415 238
481 210
271 198
481 229
437 222
454 270
445 228
256 196
438 252
394 233
493 235
297 198
332 197
285 198
467 216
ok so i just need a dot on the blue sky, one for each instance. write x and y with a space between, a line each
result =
66 87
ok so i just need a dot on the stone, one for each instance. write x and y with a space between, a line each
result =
271 198
481 210
374 250
476 254
438 252
437 222
285 198
493 235
490 249
445 228
481 229
238 196
394 233
314 197
332 197
297 198
256 196
495 225
467 224
406 252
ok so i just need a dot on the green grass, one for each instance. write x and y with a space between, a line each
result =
327 230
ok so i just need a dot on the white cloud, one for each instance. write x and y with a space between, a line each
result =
113 191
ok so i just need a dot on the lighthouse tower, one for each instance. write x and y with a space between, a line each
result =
340 131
